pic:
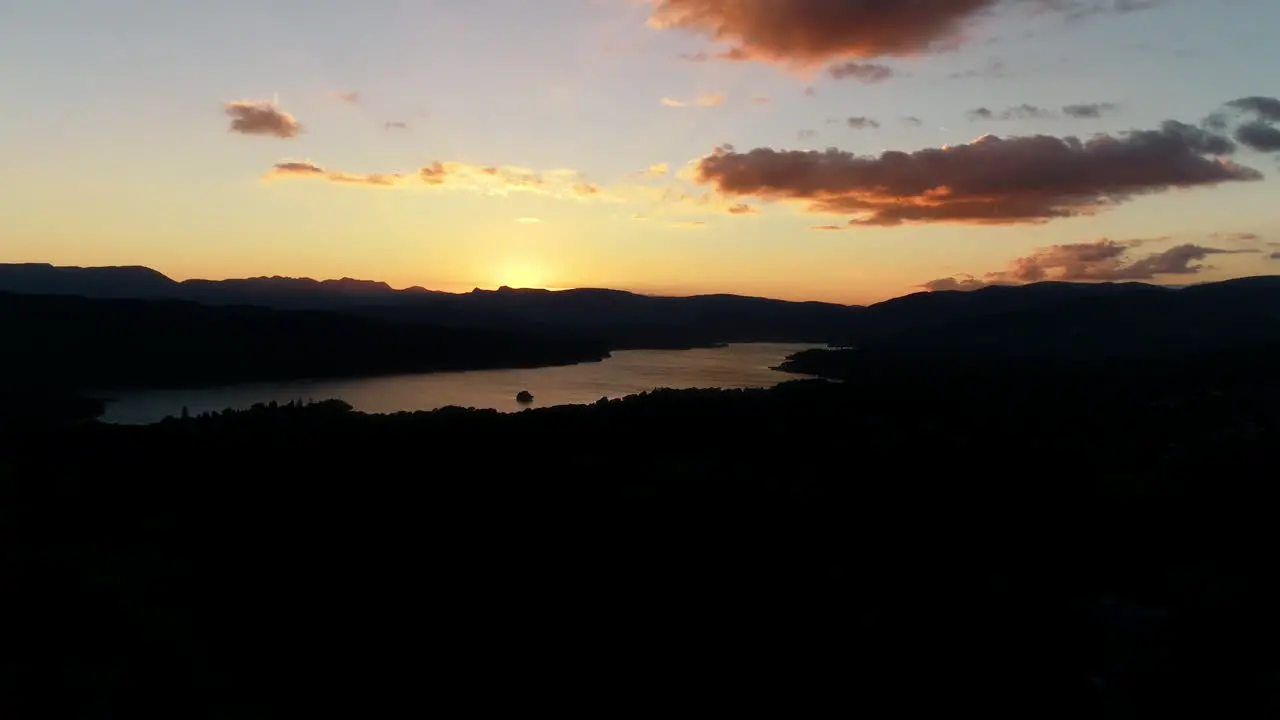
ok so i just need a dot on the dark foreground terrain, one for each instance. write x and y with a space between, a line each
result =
1023 543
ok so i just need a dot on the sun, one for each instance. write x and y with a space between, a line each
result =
522 276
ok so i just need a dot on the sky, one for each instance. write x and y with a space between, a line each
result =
836 150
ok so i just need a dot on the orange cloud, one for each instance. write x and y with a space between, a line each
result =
707 100
303 170
992 181
1102 260
488 180
656 170
259 117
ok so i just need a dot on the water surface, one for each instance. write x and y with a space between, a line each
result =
626 373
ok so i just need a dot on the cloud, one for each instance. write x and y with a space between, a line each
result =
958 283
806 134
862 123
1237 237
1017 112
304 169
688 224
1265 108
1080 9
695 57
528 220
743 209
912 120
656 170
351 97
1102 260
707 100
1089 110
396 125
1034 112
1259 136
828 227
994 68
1255 118
1274 256
259 117
869 73
810 91
761 100
564 184
1016 180
810 32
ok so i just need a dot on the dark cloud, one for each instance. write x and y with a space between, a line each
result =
1274 256
810 32
1103 260
743 209
863 123
258 117
1198 139
828 227
1255 119
1017 112
912 120
1015 180
814 31
995 68
869 73
1259 136
1089 110
1080 9
1265 108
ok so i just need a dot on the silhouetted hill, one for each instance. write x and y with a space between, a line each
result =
622 319
1054 324
96 282
79 343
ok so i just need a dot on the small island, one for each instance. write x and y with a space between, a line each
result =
524 396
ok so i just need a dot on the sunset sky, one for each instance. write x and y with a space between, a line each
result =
840 150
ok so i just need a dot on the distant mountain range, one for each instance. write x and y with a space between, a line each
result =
1066 325
621 319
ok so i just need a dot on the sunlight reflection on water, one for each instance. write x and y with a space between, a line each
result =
626 373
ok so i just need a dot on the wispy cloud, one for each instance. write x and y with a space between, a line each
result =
350 97
528 220
707 100
869 73
565 184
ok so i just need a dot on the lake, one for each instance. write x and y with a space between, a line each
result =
626 373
